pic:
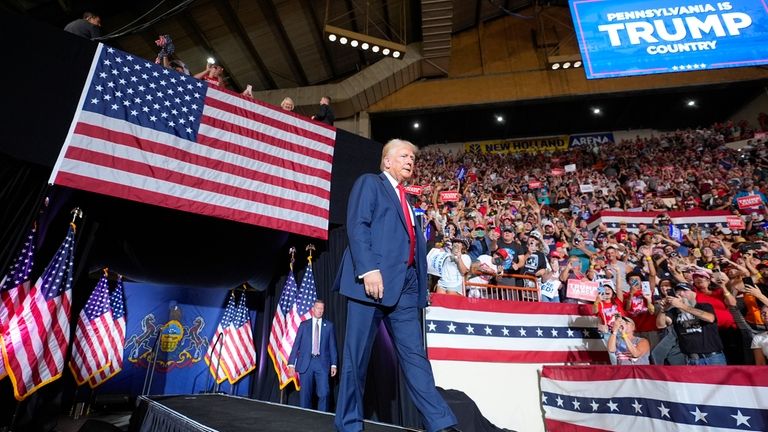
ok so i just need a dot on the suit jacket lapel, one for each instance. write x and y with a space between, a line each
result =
393 196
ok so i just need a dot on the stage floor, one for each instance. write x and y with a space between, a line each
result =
235 414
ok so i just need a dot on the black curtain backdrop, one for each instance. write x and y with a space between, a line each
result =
153 244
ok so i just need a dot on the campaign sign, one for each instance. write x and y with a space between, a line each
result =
735 222
582 290
449 196
558 171
461 172
549 288
534 184
586 188
639 37
749 201
414 190
570 168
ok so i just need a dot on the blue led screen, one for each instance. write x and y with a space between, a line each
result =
631 37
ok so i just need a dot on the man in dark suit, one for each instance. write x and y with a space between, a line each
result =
313 355
384 276
325 113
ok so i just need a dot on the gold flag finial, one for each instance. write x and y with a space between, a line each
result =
310 247
292 251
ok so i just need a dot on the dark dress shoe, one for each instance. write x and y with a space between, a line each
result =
449 429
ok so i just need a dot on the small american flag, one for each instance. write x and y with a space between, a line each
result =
149 134
15 286
283 332
305 298
239 347
216 356
90 353
36 338
116 339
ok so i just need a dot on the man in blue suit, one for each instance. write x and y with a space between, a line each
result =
313 355
384 276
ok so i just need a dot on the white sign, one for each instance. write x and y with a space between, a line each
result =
570 168
550 287
586 188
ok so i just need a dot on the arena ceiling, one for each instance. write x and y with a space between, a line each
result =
270 44
276 44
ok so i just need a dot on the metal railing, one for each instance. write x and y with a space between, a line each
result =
528 293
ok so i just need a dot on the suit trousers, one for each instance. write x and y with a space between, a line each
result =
404 326
316 376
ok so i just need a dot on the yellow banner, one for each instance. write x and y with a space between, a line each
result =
519 145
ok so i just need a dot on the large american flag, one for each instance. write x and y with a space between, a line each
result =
149 134
283 332
239 347
116 340
15 286
90 353
654 398
216 357
511 332
36 338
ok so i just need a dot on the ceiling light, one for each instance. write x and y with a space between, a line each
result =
364 41
211 60
500 119
691 103
416 125
596 111
556 62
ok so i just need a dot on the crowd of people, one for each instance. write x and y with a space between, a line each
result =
696 298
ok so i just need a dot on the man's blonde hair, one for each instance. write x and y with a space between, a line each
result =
393 144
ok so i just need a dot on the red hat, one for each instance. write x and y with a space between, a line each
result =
502 253
479 226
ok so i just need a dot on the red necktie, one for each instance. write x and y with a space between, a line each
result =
408 224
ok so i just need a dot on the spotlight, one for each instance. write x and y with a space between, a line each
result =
556 62
596 111
364 41
416 125
499 119
211 60
691 103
